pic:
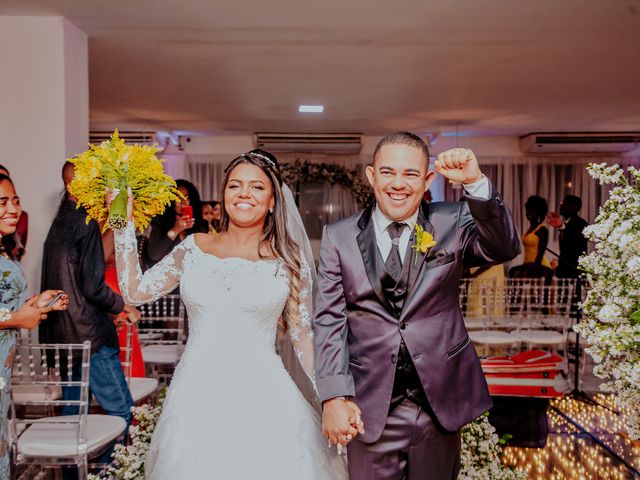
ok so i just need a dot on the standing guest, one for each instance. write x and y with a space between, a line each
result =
15 312
173 226
73 261
22 230
535 241
573 243
212 213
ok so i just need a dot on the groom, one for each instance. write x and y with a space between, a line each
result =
390 338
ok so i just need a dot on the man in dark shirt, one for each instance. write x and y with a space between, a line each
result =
73 261
573 243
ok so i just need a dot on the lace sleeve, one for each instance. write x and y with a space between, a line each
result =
138 288
302 331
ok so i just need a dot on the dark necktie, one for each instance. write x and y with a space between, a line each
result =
393 264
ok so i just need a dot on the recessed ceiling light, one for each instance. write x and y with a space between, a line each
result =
311 108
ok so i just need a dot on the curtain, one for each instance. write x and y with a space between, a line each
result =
515 177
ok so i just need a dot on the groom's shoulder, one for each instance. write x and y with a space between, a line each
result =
447 208
345 223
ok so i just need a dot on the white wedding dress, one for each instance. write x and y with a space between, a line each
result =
232 410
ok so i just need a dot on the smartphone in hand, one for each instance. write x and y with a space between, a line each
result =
53 301
187 212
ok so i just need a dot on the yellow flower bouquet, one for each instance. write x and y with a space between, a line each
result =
116 166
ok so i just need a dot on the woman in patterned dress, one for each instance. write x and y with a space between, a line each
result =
15 310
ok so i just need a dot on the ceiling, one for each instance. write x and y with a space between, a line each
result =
487 66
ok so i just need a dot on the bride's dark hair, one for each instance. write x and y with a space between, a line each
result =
275 235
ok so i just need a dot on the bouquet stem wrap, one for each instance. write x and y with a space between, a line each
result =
118 210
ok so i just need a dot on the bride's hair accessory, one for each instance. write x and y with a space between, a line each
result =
264 159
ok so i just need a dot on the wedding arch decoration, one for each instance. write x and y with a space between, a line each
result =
611 310
481 449
303 170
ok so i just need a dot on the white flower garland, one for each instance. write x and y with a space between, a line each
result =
480 450
128 461
481 453
611 321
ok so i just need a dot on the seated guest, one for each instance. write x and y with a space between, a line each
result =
535 241
16 311
573 243
22 230
173 226
212 214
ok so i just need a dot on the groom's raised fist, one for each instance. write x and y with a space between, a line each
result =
458 165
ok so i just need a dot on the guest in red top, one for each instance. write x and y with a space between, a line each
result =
111 279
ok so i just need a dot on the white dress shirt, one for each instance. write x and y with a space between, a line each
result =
479 189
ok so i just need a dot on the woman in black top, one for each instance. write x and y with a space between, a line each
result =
170 228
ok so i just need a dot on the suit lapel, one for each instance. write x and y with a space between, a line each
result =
417 265
369 250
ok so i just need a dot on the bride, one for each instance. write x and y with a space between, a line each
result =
232 410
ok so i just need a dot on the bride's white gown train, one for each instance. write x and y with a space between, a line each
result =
232 410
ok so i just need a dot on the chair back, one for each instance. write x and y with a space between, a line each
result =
39 372
162 322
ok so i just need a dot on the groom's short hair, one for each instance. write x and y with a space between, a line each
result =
402 138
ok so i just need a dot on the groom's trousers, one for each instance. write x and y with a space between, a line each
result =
411 447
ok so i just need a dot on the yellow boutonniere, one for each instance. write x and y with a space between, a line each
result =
423 242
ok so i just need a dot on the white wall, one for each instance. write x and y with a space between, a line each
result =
44 116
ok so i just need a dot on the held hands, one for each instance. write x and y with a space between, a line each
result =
458 165
341 421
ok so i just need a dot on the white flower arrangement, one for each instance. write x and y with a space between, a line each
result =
128 461
611 323
480 449
481 453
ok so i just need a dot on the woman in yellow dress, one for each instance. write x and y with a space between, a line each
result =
535 241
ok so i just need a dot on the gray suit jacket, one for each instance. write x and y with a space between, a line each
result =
357 335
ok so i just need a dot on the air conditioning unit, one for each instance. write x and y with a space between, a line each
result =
141 138
346 143
612 142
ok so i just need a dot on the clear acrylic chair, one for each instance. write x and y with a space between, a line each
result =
547 317
161 333
37 435
495 335
472 302
140 387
